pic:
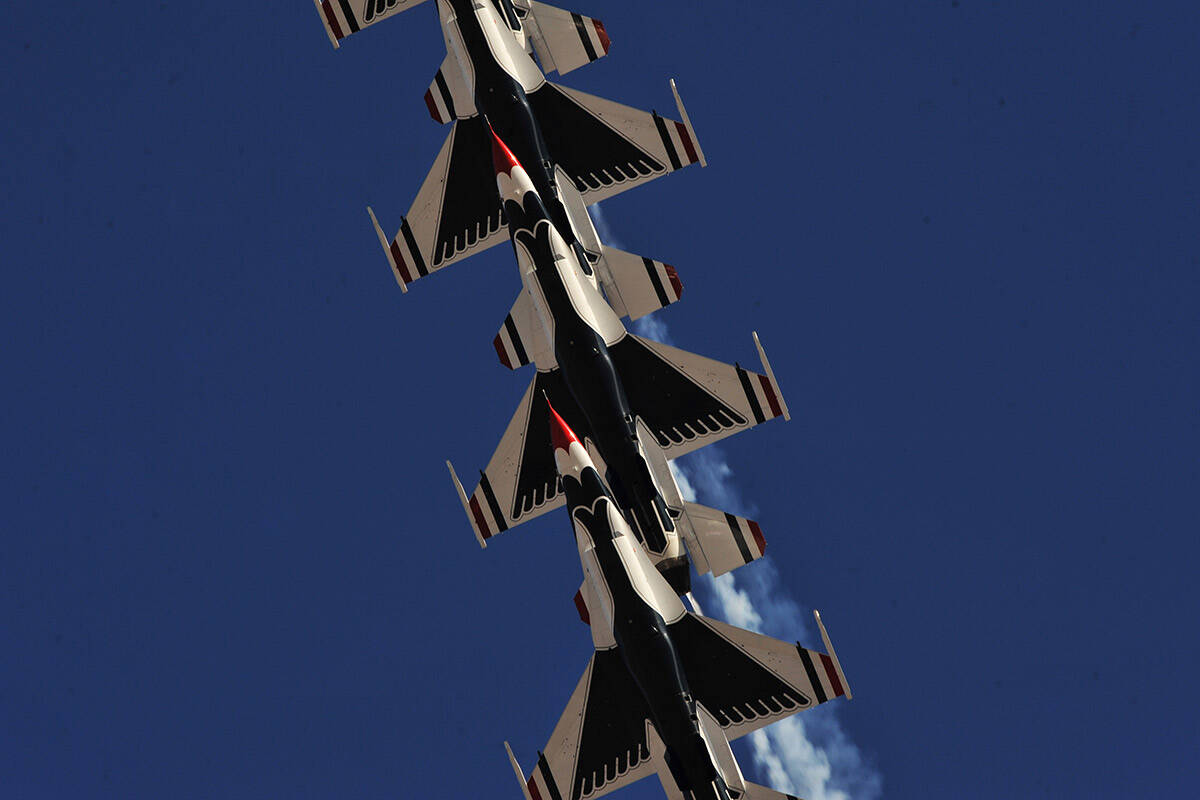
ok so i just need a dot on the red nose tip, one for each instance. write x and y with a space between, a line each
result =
560 433
502 157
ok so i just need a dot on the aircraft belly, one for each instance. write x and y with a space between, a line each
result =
648 582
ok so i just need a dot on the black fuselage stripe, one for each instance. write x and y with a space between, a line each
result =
813 678
739 537
414 251
490 496
447 98
751 396
583 37
548 777
652 271
666 137
519 348
349 15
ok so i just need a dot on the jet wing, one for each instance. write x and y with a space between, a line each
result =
457 211
344 17
689 401
747 680
600 742
521 481
607 148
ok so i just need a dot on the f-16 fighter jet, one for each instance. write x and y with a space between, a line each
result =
577 149
666 690
636 401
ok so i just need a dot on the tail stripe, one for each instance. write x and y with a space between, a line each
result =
583 37
748 388
660 123
813 678
656 282
349 15
738 537
515 338
447 98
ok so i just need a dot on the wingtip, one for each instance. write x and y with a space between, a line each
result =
837 664
387 250
762 357
462 498
687 123
325 20
517 771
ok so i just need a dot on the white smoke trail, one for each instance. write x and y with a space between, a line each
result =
808 755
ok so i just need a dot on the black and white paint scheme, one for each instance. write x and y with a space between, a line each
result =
636 402
666 689
578 149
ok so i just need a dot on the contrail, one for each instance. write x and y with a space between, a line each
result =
809 755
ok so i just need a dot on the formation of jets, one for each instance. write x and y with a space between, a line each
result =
667 688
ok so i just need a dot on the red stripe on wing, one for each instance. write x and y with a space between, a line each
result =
399 259
480 520
687 142
333 23
831 672
772 400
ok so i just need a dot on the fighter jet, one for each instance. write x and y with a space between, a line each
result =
638 402
666 689
577 149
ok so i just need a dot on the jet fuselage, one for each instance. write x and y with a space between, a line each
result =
635 603
581 325
484 40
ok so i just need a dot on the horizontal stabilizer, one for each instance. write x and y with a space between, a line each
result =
719 541
522 338
639 285
344 17
447 97
564 40
607 148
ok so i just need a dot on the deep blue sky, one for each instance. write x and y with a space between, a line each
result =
232 563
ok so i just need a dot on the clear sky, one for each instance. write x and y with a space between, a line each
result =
232 564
